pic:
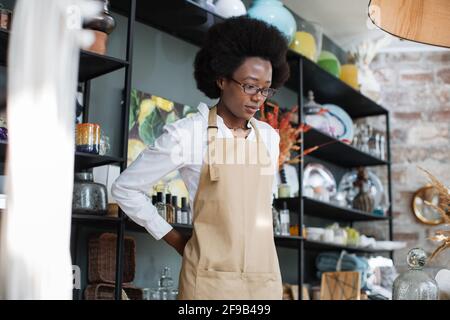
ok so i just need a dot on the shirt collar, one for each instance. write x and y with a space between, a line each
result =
204 111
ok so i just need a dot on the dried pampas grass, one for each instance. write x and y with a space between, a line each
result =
443 208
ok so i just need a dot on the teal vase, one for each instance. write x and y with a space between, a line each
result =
274 13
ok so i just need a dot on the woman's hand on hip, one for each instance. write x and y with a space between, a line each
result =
177 240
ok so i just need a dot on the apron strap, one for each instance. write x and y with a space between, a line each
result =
212 134
258 136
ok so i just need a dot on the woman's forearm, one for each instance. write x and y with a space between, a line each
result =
177 240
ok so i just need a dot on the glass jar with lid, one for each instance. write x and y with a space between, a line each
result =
88 197
166 288
316 116
415 284
102 25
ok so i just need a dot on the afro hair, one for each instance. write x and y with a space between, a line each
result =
229 43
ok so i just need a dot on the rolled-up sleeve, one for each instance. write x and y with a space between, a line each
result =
131 188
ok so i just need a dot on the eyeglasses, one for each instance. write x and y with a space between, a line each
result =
252 90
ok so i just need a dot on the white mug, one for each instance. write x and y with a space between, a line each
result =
328 235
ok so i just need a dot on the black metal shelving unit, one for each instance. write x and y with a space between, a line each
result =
327 210
83 161
87 160
338 152
91 66
328 89
89 219
189 22
321 246
282 241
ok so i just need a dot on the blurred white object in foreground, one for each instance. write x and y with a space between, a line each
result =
43 59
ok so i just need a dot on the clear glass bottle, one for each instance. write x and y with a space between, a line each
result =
179 216
79 105
382 147
105 145
284 220
276 222
184 211
415 284
161 206
176 210
190 217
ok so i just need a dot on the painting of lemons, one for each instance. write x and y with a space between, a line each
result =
148 115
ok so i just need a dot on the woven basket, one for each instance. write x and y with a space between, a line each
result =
102 259
105 291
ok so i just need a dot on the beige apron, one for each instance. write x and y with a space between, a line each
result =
231 254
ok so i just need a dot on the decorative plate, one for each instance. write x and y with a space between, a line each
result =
318 182
376 188
340 122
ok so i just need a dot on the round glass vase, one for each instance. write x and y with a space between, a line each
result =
415 284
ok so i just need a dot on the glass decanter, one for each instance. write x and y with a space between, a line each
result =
316 116
166 289
415 284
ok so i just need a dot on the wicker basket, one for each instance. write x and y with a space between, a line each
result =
102 259
105 291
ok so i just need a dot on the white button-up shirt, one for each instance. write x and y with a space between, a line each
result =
182 146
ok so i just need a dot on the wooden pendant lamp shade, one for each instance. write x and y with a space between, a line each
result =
425 21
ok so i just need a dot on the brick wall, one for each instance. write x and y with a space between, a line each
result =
416 90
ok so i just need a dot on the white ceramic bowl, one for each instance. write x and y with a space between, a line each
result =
314 234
